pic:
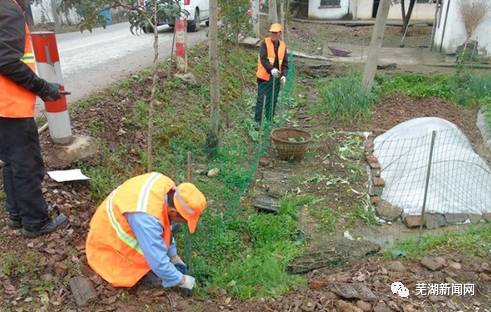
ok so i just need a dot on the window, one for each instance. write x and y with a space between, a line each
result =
330 3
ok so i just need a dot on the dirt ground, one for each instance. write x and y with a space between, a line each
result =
45 265
394 109
311 38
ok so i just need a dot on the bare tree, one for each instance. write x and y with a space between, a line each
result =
273 11
141 13
375 45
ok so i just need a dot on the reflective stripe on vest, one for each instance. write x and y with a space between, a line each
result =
28 58
112 248
17 101
145 192
262 73
123 236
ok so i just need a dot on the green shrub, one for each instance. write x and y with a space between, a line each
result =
345 100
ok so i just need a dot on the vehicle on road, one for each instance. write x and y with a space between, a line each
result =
197 11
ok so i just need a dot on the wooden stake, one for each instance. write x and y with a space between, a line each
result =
189 242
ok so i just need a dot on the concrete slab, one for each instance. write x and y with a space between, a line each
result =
399 56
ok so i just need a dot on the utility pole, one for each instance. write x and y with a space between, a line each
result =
375 45
273 11
212 138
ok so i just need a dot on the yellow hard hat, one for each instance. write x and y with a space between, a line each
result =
190 203
275 28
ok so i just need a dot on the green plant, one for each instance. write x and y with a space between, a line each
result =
260 270
326 216
13 265
345 100
366 214
420 85
462 87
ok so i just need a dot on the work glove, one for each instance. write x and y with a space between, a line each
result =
50 92
283 80
187 284
275 72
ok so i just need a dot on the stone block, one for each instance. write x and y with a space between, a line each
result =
373 162
376 191
475 218
378 182
387 211
376 172
456 218
435 220
83 290
431 263
412 221
375 200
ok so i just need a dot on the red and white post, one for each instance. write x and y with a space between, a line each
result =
49 68
181 53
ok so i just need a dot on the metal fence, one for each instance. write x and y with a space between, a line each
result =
434 173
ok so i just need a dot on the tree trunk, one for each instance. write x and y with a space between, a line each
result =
255 18
407 18
375 45
56 17
154 89
212 139
403 12
282 15
273 11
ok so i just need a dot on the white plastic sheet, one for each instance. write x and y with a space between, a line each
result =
460 181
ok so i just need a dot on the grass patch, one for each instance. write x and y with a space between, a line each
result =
344 99
474 241
419 85
462 87
235 248
260 269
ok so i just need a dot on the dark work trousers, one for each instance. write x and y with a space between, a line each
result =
265 92
23 172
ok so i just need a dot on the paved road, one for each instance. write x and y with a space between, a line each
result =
92 61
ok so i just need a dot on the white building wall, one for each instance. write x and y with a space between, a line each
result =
318 12
363 9
42 13
454 34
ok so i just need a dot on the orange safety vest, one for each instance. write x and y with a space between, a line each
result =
262 73
112 248
16 101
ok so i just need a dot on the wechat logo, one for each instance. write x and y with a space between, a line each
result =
399 289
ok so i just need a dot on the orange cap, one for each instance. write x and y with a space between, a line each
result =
275 28
190 203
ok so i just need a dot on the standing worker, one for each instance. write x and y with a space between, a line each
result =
273 61
19 141
130 237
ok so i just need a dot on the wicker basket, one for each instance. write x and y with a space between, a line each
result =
290 143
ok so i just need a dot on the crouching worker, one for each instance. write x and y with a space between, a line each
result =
130 238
